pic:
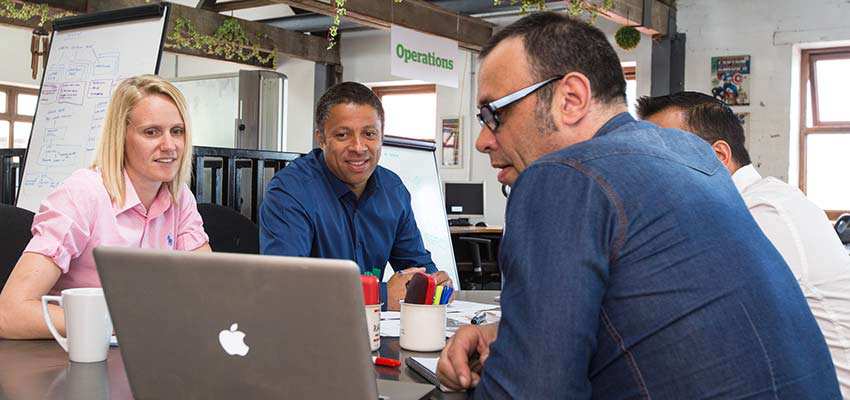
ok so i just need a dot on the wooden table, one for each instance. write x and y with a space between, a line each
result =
475 230
39 369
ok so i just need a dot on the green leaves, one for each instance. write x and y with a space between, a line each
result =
27 11
229 41
334 28
627 37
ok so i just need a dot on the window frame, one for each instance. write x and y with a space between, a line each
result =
382 91
11 113
630 73
808 79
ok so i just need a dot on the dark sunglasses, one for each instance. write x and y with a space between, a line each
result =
488 114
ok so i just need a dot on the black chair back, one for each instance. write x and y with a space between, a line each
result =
17 223
486 267
842 228
229 231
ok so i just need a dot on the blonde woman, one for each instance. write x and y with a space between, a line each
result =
135 194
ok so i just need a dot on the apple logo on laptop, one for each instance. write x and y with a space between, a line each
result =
233 341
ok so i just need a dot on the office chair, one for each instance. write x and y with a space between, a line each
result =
16 235
842 228
229 231
481 267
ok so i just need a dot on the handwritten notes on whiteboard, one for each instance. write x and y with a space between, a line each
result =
84 67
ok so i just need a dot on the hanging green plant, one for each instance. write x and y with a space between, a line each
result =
525 5
229 41
627 37
27 11
577 8
333 30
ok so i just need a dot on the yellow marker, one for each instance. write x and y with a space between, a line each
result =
438 293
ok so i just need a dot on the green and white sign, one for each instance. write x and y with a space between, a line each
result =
423 57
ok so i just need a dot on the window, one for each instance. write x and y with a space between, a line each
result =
825 130
410 111
630 72
17 108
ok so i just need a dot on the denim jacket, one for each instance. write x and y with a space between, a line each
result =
633 270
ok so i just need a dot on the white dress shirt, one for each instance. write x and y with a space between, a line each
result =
805 238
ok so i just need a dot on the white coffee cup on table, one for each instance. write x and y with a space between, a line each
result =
87 323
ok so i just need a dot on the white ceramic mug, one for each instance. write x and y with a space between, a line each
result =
87 323
373 323
423 327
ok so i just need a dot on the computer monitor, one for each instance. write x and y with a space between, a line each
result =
464 199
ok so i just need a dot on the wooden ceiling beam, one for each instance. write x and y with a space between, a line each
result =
206 4
470 33
288 43
630 13
239 5
54 9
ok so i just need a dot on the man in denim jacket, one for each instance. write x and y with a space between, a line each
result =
631 267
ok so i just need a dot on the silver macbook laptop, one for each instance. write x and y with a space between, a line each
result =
226 326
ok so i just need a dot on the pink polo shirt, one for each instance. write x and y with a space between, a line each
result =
79 216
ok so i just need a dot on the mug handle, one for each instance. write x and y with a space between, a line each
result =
63 341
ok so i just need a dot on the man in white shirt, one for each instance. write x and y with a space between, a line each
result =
795 225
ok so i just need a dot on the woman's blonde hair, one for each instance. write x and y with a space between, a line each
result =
109 156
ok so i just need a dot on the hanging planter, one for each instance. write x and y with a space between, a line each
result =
229 41
576 8
627 37
26 11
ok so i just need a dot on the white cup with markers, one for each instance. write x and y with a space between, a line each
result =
423 314
423 327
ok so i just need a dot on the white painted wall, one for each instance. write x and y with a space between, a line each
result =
772 32
15 50
366 58
299 109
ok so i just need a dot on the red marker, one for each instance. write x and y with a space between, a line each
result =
371 293
386 362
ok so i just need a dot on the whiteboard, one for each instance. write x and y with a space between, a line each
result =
213 102
417 169
83 69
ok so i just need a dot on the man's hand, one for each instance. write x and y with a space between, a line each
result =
458 367
396 287
442 278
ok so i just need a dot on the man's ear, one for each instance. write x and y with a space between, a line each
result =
724 153
572 98
320 138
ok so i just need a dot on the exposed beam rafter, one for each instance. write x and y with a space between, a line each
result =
631 13
206 4
239 5
471 33
288 43
54 8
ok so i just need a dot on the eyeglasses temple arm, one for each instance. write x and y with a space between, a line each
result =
518 95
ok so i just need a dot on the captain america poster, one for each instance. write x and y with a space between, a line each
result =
730 79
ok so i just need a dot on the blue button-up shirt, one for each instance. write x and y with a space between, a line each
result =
308 212
633 270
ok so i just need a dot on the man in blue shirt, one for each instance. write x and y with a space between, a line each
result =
631 268
336 202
